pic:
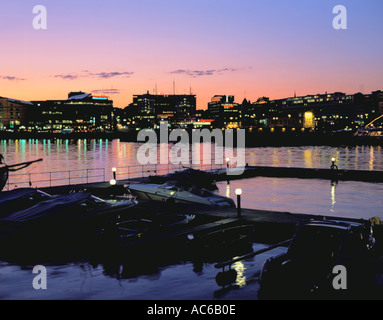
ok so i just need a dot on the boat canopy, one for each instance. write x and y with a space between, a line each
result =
189 176
9 196
53 207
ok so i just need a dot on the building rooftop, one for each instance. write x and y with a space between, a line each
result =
19 101
79 96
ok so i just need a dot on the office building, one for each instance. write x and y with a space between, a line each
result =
79 113
225 112
14 114
151 109
322 112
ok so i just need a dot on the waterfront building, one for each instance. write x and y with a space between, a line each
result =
151 109
372 105
83 112
14 114
79 113
202 120
225 112
321 112
257 114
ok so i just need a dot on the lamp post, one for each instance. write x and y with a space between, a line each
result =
334 172
333 165
114 170
238 192
227 162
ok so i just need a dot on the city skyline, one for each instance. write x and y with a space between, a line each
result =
247 49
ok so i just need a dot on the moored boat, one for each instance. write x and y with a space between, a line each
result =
306 269
62 221
230 236
222 243
20 199
134 233
175 192
196 177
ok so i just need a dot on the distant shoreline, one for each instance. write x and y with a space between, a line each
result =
257 139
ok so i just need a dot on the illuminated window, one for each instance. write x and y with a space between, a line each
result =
308 120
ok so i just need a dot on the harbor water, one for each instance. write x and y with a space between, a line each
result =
183 279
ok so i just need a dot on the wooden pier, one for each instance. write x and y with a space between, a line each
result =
302 173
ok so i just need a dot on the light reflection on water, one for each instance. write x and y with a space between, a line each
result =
181 280
241 277
80 154
317 197
84 281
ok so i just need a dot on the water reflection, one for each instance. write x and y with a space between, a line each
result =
227 190
371 158
99 152
333 200
308 154
276 158
240 268
317 197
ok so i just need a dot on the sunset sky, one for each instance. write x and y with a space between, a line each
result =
246 48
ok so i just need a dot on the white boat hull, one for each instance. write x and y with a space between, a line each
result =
154 192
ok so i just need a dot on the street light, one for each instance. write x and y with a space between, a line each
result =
114 173
113 182
238 192
333 165
227 162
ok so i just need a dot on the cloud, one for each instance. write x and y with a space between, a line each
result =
11 78
106 91
201 73
107 75
66 76
98 75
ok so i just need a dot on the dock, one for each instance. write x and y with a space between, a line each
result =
302 173
246 173
271 226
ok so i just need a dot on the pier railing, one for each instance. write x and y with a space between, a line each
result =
94 175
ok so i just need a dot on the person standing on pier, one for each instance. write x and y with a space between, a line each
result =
1 159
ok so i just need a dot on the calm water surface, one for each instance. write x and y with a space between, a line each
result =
181 280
